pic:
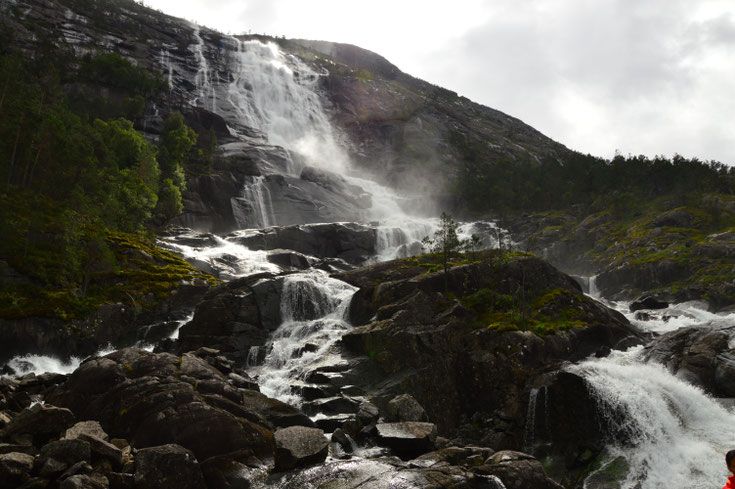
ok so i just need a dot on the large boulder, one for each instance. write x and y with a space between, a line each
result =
405 408
518 470
15 468
43 422
701 355
167 466
408 439
300 446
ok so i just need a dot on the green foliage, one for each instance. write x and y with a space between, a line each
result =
109 69
67 185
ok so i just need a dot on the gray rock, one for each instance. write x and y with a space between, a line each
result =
367 413
58 456
15 468
92 428
408 439
299 446
91 481
103 451
405 408
166 467
517 470
43 422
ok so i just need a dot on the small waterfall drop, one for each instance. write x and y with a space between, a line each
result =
676 434
260 207
313 308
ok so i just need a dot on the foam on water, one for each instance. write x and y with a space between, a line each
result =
677 434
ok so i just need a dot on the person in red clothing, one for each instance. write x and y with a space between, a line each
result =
730 461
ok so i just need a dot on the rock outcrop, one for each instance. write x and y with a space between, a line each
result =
451 343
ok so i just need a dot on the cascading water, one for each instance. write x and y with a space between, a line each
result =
258 198
676 435
203 78
313 308
275 93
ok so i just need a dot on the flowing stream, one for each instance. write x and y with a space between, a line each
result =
676 435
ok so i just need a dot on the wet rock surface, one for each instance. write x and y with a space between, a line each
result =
299 446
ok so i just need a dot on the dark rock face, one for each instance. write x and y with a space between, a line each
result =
234 317
699 355
414 340
153 399
351 242
299 446
167 466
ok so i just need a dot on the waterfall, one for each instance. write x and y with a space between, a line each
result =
167 67
313 308
276 94
676 435
203 77
594 291
260 207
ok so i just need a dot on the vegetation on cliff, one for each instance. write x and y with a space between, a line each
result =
77 176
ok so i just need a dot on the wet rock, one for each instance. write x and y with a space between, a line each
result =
232 471
167 466
405 408
299 446
351 242
700 355
408 439
287 259
367 413
517 470
343 440
648 302
15 468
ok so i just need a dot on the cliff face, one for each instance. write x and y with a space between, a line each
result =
394 128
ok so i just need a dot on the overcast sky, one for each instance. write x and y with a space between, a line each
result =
638 76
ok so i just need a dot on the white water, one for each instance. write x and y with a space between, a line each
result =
259 197
39 364
275 93
205 91
232 260
313 308
678 435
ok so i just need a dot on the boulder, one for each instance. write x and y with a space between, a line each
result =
91 428
103 451
154 399
405 408
167 466
648 302
58 456
701 355
91 481
517 470
299 446
15 468
234 470
409 438
43 422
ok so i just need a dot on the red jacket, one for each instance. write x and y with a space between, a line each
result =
730 483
